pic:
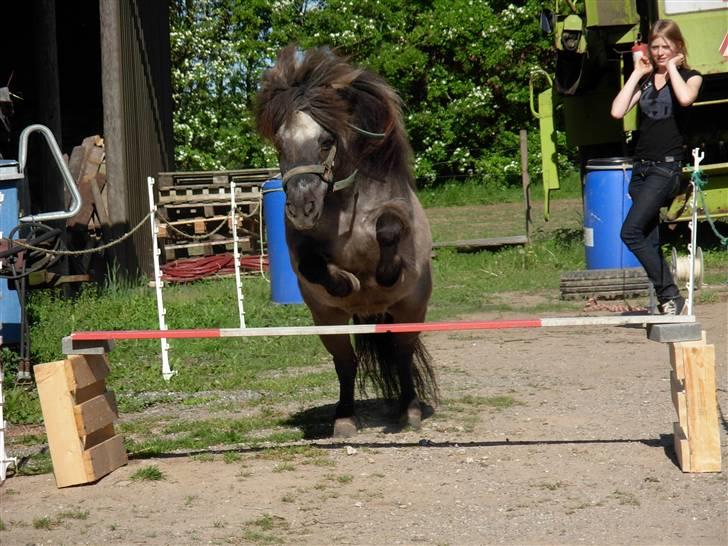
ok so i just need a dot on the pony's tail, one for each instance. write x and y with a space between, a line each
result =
378 364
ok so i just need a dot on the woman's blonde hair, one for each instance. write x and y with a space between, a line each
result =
668 29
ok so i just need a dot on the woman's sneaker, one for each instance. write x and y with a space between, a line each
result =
674 306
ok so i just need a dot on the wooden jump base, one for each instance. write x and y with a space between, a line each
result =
200 333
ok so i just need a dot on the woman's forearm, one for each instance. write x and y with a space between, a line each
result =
685 92
627 97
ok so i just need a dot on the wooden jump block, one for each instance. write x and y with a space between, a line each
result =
697 432
79 414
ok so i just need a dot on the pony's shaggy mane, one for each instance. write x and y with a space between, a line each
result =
336 94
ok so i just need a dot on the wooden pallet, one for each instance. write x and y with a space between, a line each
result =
604 283
250 194
222 178
79 412
207 248
197 202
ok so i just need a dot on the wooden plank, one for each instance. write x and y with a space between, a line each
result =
96 413
98 436
83 216
702 408
682 447
104 458
84 370
56 402
167 179
678 399
243 244
101 211
474 244
87 393
676 361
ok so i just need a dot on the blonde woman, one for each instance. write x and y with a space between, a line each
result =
664 86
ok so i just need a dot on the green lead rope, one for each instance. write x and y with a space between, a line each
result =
700 182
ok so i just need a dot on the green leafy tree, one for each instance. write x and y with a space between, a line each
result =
461 67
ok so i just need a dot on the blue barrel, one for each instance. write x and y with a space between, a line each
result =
283 281
606 203
10 200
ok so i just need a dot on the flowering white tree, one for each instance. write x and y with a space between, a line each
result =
461 67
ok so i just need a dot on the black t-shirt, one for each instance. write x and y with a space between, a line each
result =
662 121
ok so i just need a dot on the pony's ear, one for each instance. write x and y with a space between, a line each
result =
345 80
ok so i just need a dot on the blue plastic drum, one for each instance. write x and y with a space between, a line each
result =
606 203
283 281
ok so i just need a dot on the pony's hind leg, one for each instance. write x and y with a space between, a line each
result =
410 411
389 233
345 365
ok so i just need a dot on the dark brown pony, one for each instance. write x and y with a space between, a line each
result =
359 240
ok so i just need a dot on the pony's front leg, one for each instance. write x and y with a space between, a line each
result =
345 364
389 233
314 268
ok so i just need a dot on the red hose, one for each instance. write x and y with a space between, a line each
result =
193 269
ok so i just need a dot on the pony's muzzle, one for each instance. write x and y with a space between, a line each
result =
304 203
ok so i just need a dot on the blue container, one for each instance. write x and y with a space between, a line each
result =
606 203
283 281
10 179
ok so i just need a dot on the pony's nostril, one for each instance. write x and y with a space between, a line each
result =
308 209
290 210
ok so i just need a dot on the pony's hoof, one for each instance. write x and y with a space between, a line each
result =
344 427
413 416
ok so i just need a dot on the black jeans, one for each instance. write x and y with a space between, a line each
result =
652 186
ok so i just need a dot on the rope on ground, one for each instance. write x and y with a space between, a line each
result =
178 231
193 269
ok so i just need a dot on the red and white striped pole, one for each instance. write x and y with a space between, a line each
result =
200 333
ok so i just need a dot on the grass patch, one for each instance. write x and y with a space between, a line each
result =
149 474
500 402
625 499
44 522
259 530
22 406
230 457
550 486
28 440
284 467
74 514
36 463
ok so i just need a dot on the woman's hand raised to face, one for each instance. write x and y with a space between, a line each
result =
643 66
676 61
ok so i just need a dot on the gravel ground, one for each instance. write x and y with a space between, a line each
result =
583 455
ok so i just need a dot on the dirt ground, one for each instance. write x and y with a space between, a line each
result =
583 456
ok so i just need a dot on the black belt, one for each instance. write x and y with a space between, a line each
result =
668 160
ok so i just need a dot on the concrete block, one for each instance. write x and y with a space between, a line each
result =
71 347
671 333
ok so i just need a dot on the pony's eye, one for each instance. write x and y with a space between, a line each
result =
327 143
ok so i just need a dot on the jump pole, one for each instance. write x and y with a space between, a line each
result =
690 331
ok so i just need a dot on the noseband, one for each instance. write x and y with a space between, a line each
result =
326 169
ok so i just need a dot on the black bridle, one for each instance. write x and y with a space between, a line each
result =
325 170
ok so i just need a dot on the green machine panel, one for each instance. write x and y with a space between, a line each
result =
611 13
704 30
